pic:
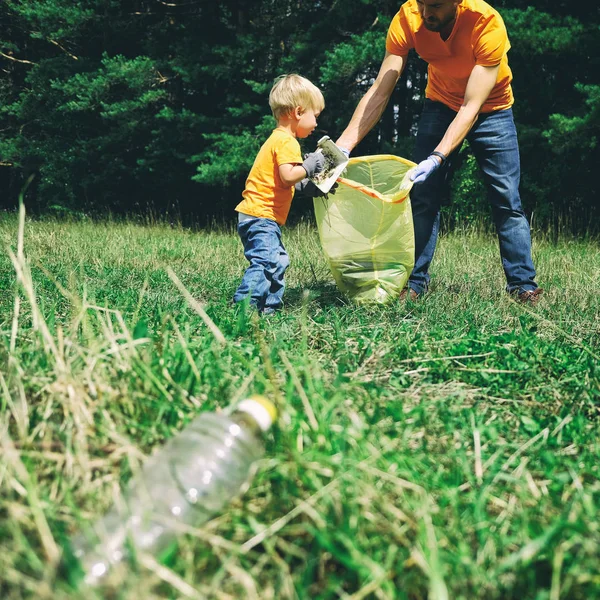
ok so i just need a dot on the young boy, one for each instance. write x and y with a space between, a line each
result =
296 103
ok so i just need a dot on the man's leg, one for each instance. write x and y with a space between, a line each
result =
275 297
261 249
493 140
426 197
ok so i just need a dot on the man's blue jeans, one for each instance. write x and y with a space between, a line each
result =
493 140
263 281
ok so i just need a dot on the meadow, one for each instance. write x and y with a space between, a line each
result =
446 448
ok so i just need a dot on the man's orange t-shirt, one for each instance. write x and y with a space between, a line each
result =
265 195
478 38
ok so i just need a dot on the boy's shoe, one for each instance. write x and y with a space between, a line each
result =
409 294
268 311
530 296
244 302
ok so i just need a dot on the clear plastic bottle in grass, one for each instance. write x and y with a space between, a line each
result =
193 477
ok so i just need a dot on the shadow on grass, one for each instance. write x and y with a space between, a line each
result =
324 295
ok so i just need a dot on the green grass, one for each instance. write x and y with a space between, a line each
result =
453 451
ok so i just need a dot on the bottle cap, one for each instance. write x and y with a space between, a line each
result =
261 409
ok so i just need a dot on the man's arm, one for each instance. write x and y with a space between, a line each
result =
481 82
373 103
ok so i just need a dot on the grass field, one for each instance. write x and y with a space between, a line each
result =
444 449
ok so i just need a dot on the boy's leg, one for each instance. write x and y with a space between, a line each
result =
493 140
274 299
426 197
261 248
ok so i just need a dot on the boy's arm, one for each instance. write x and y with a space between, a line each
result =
293 173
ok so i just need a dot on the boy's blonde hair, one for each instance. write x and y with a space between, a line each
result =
294 90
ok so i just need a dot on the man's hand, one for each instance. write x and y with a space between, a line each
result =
313 163
424 169
307 188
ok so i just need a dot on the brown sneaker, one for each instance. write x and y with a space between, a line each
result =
530 296
408 294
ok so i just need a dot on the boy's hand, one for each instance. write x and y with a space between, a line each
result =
313 163
308 188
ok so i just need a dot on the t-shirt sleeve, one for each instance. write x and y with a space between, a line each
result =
287 151
490 40
399 38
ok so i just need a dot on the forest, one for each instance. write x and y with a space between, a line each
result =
130 107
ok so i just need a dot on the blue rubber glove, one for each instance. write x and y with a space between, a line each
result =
424 169
345 151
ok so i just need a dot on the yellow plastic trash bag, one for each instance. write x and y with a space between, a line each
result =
366 228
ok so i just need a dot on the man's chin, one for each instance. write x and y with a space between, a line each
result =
431 26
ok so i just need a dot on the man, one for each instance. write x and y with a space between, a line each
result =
468 96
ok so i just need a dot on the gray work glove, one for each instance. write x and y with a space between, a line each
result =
313 163
307 188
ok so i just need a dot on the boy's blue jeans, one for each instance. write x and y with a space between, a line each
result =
263 281
493 140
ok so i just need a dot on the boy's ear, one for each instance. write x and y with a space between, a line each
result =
298 112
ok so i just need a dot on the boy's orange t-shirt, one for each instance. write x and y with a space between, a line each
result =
265 195
479 37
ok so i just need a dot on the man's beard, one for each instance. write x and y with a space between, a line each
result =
437 25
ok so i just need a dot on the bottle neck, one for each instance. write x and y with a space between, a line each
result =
259 409
247 421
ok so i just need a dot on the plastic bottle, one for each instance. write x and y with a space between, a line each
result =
187 482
